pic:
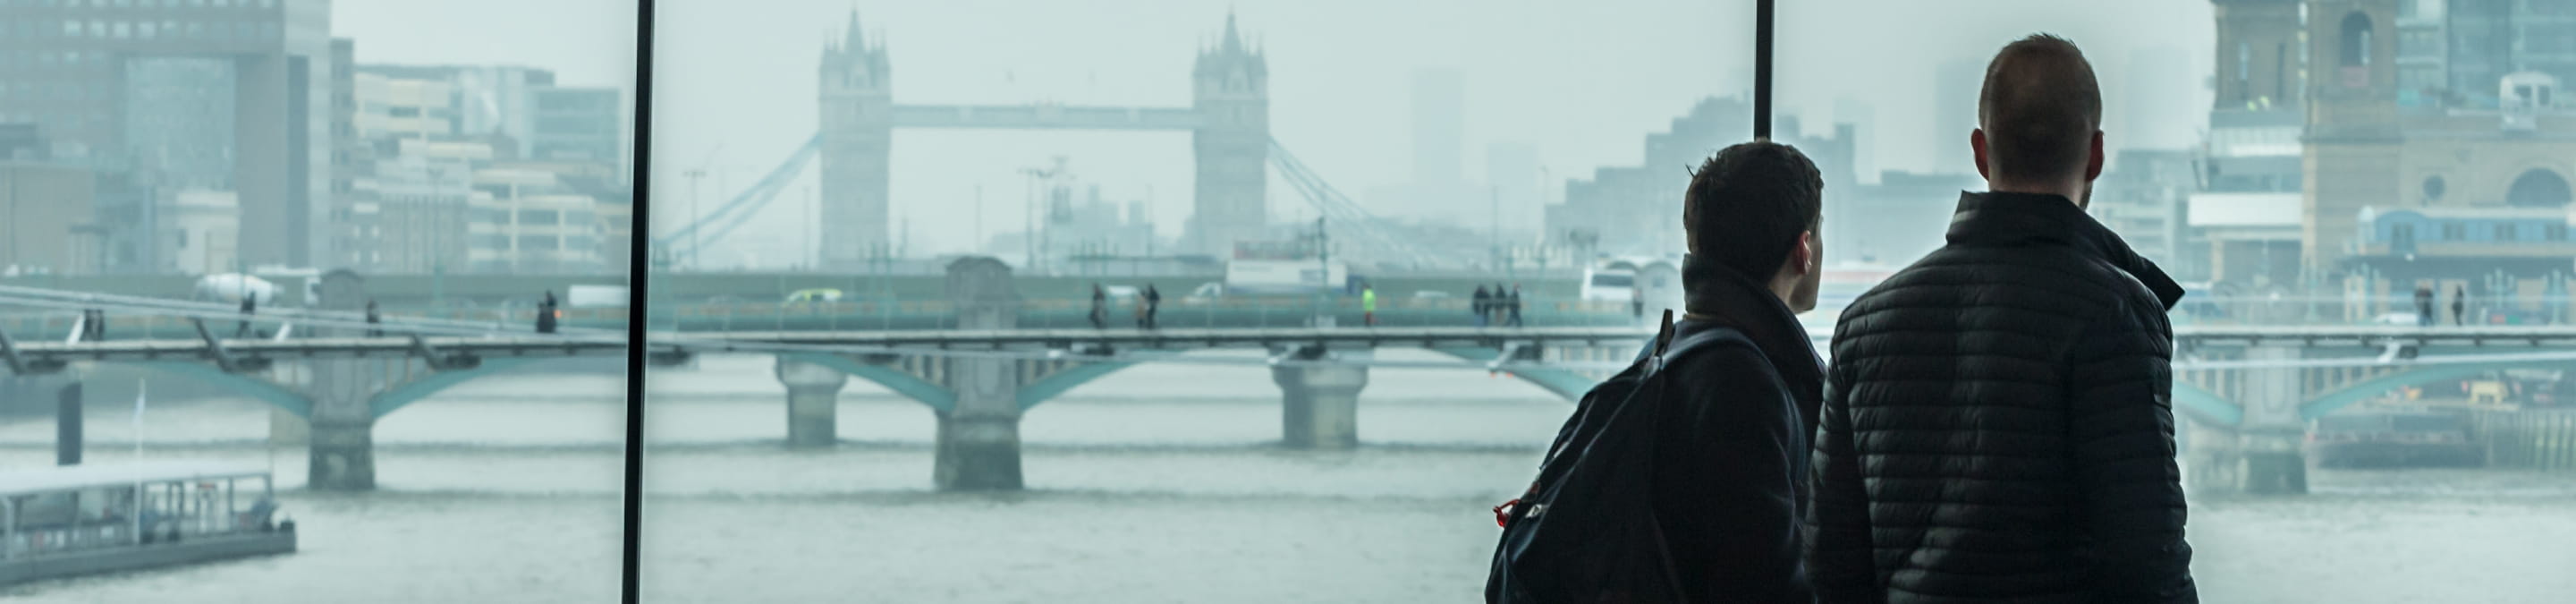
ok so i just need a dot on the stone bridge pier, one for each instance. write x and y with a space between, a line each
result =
1319 406
979 432
2263 454
813 402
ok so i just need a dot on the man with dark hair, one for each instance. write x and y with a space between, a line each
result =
1997 424
1730 460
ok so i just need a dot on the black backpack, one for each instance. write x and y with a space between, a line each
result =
1586 531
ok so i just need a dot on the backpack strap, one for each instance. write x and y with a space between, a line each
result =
1674 349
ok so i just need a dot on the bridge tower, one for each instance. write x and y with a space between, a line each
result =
857 122
1230 89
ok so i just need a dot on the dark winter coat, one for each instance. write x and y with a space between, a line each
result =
1997 424
1730 472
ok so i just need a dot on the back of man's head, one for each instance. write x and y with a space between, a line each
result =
2040 109
1747 205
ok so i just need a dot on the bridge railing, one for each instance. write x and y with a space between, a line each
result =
55 324
1060 313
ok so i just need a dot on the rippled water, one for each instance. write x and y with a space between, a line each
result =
1160 484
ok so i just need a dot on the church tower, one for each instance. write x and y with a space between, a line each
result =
1230 89
2354 147
857 122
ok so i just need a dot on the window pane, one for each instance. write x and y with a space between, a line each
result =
1495 144
145 157
2294 166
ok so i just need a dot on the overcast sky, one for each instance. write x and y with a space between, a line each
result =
1583 81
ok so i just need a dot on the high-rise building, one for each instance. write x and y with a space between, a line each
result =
575 124
44 210
1439 125
482 100
1512 175
269 60
1955 107
527 221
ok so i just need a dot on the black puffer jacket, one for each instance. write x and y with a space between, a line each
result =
1997 424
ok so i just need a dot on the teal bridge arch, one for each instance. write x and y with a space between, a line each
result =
380 404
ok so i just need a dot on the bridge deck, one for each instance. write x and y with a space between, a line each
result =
1428 337
319 348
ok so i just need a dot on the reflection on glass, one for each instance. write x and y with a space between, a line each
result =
279 197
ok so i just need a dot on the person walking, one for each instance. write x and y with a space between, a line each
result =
1483 299
1153 307
546 313
2424 305
1099 307
374 319
1997 423
1513 306
1368 305
2459 305
1140 311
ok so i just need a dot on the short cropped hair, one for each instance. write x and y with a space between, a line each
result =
1747 204
2039 108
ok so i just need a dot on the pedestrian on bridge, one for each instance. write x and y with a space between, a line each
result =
1483 300
1513 305
1368 304
94 324
1143 315
1099 307
2459 304
2424 305
546 313
374 319
1153 306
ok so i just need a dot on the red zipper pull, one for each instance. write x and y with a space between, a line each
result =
1503 513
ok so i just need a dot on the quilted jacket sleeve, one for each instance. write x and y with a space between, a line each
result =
1839 561
2121 427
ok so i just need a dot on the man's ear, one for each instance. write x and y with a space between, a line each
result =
2093 161
1977 143
1802 255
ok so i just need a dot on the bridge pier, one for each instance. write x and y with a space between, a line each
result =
979 434
343 456
1319 406
813 403
2263 455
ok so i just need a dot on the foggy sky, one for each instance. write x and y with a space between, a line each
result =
1584 82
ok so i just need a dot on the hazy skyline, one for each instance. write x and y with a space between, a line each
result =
1583 84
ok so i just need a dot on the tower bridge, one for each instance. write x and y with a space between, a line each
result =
1228 120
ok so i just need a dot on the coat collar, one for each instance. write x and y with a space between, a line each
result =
1727 297
1997 218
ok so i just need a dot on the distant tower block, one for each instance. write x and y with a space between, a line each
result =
1231 93
858 126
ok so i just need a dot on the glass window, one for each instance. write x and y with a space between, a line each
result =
537 217
538 243
1669 77
1912 113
